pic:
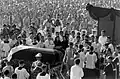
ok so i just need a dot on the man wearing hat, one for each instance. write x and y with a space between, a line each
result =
38 61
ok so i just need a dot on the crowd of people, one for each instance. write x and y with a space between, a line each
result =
83 50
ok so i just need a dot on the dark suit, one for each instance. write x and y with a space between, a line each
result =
109 71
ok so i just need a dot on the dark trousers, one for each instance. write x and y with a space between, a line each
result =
89 73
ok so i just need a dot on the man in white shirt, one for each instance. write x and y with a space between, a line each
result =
102 39
91 59
29 40
58 23
72 37
76 71
21 71
5 46
49 43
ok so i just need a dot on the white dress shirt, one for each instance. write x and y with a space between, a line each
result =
53 36
5 48
90 60
76 72
57 28
28 41
72 39
102 40
22 74
6 78
47 76
49 44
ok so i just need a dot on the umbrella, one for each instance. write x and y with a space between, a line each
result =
28 53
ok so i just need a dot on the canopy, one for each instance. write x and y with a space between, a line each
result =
108 19
98 12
